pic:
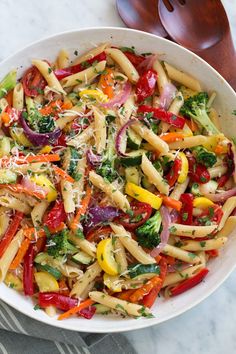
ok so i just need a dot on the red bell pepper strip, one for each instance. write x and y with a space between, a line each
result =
28 271
186 213
135 59
213 213
56 215
212 253
173 175
140 212
88 312
62 73
149 299
11 231
189 283
60 301
146 85
165 116
198 172
33 82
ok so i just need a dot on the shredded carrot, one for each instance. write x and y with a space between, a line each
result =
145 289
52 107
192 125
76 309
82 209
63 174
9 98
66 105
18 188
172 203
125 295
20 254
5 118
106 82
40 158
172 137
220 149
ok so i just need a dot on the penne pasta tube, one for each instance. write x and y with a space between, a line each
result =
100 130
229 226
110 190
177 103
48 75
11 202
204 245
227 209
10 253
38 212
4 223
122 306
192 230
81 138
67 196
182 78
173 278
178 253
85 245
154 176
131 245
91 53
162 79
179 189
50 311
188 142
151 138
119 57
127 109
63 59
18 96
91 273
84 76
215 118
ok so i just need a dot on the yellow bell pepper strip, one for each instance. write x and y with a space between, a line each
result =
46 149
106 258
95 94
184 168
43 181
202 202
142 195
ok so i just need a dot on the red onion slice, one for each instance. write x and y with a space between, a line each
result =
221 197
167 95
33 187
120 135
121 98
166 221
97 215
147 63
39 139
92 158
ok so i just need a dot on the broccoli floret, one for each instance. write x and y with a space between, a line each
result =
195 107
107 171
59 245
148 235
203 156
40 123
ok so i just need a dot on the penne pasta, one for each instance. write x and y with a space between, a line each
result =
154 176
18 97
188 142
92 272
204 245
180 254
192 230
182 78
100 130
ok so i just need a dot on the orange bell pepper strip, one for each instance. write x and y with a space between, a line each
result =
172 137
145 289
18 188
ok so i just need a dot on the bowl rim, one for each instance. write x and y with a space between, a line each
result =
139 324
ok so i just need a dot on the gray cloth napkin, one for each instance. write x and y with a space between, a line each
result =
20 334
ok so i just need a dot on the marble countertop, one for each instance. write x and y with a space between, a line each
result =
209 328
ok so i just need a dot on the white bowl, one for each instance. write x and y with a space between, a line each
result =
225 103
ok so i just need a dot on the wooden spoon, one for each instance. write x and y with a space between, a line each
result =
203 27
141 15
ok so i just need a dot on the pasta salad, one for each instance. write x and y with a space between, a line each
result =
116 182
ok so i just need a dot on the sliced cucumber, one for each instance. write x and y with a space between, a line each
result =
133 158
209 187
102 309
134 140
7 176
82 257
137 269
47 268
145 183
42 257
132 175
